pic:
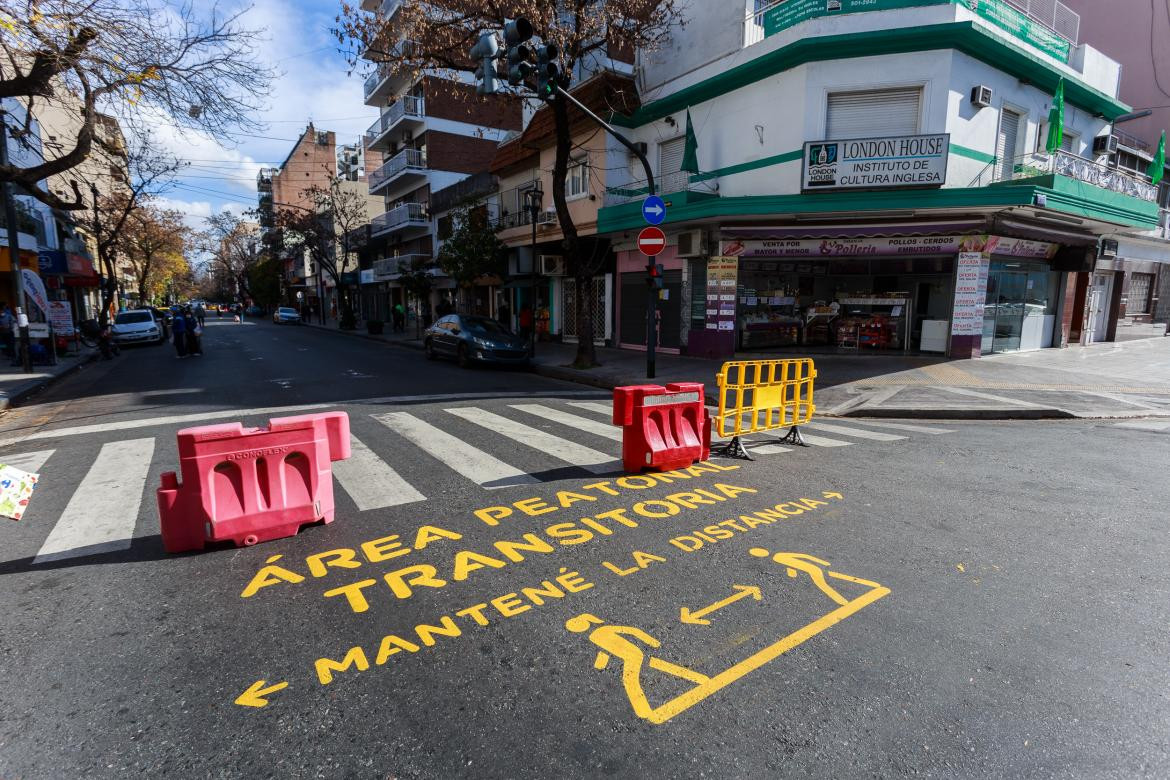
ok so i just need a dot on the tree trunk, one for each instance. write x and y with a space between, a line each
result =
570 243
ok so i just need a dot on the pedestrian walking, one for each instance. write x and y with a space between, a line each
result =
399 318
526 320
505 315
194 333
179 332
200 314
240 308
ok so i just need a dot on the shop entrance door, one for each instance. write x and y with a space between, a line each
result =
1005 304
596 304
1099 295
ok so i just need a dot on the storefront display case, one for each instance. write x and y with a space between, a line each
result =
874 322
768 319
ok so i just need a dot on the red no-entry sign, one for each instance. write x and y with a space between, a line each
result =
651 241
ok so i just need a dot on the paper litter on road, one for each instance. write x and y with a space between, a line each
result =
16 488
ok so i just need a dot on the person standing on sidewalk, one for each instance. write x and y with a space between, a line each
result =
200 314
505 315
7 320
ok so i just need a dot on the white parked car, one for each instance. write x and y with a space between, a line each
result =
137 326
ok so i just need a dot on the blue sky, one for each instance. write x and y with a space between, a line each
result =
313 83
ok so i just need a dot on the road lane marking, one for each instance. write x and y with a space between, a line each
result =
475 464
370 481
572 420
103 511
27 461
767 449
903 427
554 446
856 433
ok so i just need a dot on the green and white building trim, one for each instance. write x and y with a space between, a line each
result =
761 84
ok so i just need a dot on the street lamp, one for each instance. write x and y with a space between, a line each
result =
534 200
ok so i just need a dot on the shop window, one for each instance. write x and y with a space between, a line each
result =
873 113
577 179
1139 294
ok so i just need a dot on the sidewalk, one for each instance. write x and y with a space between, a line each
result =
1116 380
15 385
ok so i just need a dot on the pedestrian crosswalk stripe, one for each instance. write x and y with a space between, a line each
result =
903 427
594 406
821 441
1146 425
554 446
572 420
103 511
857 433
27 461
370 481
768 449
475 464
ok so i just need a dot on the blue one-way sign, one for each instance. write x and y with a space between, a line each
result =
654 210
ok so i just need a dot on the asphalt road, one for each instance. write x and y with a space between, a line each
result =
496 599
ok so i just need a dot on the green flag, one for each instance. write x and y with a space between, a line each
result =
1157 167
690 160
1056 120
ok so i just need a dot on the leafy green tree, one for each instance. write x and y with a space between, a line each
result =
473 250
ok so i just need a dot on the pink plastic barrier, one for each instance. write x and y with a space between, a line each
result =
251 485
663 428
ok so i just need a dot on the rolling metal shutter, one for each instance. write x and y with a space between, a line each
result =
670 154
1007 142
873 114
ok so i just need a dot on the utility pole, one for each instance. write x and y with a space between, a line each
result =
14 251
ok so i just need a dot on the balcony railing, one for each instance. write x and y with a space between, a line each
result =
389 8
1070 166
514 210
400 216
406 160
374 79
679 181
390 267
1051 14
399 53
407 106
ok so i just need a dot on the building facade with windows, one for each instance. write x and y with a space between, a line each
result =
432 132
873 176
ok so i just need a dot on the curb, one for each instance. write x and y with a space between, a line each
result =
409 343
24 393
962 414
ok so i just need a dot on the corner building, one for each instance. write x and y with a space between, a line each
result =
873 176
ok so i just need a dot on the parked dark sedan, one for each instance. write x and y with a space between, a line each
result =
474 339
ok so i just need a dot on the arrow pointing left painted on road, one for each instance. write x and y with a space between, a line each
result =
254 696
696 618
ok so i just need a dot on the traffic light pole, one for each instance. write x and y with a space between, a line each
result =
652 293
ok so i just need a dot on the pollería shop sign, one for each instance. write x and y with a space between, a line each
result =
876 163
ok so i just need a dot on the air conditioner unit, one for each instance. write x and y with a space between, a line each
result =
547 217
691 243
981 96
552 265
1105 144
1107 249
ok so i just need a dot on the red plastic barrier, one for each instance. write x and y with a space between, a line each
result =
251 485
663 428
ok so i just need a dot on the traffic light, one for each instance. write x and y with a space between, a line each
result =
547 71
654 278
486 49
519 56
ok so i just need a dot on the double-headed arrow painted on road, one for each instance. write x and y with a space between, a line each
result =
696 618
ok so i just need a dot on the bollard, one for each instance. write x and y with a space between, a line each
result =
251 485
663 428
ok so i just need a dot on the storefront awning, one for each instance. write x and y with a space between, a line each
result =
871 230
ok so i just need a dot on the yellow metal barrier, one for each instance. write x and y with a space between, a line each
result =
764 395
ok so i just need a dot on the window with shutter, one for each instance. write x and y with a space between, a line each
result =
873 113
1007 143
1139 294
670 154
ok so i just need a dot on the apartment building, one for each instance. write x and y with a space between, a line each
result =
874 176
432 132
316 161
524 163
1132 274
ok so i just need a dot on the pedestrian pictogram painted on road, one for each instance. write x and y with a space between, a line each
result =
654 210
651 241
